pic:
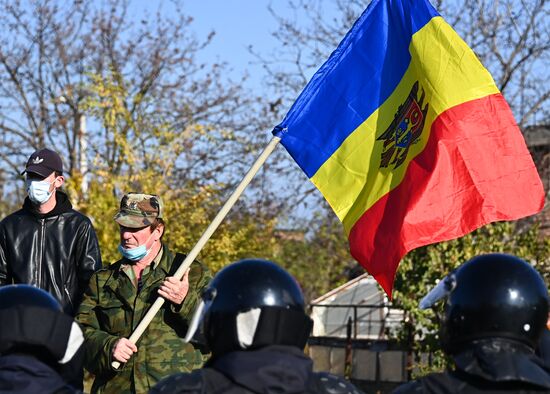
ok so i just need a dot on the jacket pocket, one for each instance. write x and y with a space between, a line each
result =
167 357
112 318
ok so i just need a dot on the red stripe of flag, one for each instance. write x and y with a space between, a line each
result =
474 170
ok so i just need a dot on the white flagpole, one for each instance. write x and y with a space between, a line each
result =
144 323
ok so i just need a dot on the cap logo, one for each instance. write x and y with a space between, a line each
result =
37 160
133 205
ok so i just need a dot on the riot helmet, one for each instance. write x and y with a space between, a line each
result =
32 322
250 304
27 296
491 296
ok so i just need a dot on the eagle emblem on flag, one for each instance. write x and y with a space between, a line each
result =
404 130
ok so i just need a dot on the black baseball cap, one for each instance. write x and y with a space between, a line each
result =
43 162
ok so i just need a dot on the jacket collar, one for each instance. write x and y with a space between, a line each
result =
500 360
275 368
27 374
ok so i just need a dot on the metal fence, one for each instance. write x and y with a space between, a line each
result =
353 342
368 321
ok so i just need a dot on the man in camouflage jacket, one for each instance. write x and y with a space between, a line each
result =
119 296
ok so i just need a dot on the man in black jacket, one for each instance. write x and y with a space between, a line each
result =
48 244
256 327
496 310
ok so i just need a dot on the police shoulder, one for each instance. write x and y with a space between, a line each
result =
410 388
332 384
179 383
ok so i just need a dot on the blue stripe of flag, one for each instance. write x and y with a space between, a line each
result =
357 78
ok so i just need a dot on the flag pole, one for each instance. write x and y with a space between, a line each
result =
144 323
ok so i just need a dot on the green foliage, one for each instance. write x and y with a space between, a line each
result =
7 206
140 156
321 261
188 212
422 268
142 152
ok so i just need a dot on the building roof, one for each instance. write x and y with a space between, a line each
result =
361 300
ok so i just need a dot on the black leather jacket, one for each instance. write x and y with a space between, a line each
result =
57 252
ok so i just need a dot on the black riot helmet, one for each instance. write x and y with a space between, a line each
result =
27 296
254 303
32 322
493 296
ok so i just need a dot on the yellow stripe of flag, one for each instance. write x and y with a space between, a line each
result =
449 73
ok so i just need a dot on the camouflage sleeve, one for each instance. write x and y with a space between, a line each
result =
199 277
98 344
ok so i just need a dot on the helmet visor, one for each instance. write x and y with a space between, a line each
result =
442 290
204 305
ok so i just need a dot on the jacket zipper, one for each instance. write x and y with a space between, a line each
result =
68 295
40 260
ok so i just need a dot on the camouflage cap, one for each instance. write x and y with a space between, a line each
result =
139 210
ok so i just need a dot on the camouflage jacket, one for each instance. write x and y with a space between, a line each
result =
112 308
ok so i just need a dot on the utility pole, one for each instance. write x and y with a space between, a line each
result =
81 135
83 148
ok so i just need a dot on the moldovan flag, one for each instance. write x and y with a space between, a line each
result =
408 138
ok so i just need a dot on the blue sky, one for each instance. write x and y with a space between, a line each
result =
237 23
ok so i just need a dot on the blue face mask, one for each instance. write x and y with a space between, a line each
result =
39 191
135 254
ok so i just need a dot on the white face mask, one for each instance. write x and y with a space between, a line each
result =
39 191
